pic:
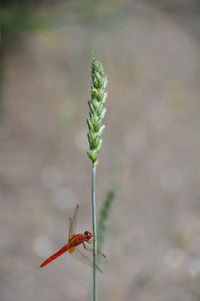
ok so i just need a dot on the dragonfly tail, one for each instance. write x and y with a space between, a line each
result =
54 256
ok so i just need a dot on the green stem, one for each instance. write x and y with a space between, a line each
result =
94 229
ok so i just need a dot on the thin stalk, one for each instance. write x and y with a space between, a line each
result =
94 229
97 112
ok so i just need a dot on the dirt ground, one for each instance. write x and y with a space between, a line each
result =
151 152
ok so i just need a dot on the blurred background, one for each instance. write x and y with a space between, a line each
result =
151 147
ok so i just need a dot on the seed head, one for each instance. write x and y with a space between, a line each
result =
96 109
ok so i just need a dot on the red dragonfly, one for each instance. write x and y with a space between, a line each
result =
74 240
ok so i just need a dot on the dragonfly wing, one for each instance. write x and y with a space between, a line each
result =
101 257
78 254
72 223
70 231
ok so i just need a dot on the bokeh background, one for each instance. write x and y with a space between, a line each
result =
151 147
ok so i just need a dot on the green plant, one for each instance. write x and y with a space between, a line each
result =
96 114
103 217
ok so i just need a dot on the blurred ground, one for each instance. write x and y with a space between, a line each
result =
150 152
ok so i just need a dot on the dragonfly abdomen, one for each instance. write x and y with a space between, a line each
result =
55 255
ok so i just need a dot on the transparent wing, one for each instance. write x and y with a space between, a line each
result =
78 254
72 223
101 257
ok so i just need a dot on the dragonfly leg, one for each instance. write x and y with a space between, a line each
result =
102 255
89 249
90 241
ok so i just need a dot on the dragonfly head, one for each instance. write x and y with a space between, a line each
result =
88 235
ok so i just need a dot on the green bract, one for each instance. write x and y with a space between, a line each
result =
97 109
